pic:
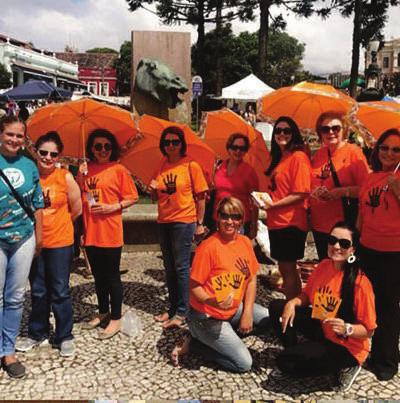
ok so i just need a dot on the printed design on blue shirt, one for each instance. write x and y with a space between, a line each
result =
15 176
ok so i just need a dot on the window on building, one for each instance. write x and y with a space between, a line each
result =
385 62
398 59
92 87
104 89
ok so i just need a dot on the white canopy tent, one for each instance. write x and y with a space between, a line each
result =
249 88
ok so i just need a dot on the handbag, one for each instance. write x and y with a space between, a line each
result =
349 204
17 197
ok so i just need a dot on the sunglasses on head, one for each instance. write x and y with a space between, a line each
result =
175 143
284 130
385 149
233 217
100 146
343 243
327 129
234 147
45 153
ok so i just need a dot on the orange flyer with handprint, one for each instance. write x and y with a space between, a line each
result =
226 284
325 305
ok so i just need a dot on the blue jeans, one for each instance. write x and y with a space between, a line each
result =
216 340
49 278
176 242
15 262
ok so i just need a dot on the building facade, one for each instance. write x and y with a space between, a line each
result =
388 57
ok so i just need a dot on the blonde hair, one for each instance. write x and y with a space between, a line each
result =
230 205
332 115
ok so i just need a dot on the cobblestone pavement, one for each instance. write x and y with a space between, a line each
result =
138 368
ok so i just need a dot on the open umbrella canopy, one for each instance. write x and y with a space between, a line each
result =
75 120
346 83
145 158
35 89
304 103
373 118
216 128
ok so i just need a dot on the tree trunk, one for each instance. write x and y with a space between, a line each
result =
355 57
218 29
263 37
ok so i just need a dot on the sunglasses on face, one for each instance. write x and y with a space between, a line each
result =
327 129
233 217
343 243
385 149
283 130
175 143
100 146
234 147
45 153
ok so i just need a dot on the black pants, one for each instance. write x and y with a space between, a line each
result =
317 356
321 244
383 270
107 278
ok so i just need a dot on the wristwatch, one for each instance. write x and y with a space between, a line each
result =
199 223
348 329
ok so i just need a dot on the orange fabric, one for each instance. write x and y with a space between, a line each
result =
292 175
108 183
352 169
326 275
381 224
58 230
214 257
179 205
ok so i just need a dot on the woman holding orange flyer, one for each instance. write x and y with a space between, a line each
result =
338 171
339 324
222 294
379 222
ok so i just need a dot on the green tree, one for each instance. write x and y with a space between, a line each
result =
123 66
5 78
101 50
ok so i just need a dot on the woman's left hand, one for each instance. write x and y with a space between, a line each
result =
102 208
338 325
246 323
332 194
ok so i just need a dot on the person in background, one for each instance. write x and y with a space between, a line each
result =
179 188
20 235
289 177
50 271
351 169
379 223
107 189
340 322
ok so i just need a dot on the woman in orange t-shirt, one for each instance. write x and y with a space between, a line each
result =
340 322
107 189
179 188
350 165
222 294
50 271
379 223
289 177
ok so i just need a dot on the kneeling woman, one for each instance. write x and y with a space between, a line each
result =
225 261
340 342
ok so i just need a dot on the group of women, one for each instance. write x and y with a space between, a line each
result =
215 295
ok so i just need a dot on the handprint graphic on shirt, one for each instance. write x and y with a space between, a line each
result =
243 265
170 184
374 197
330 304
92 182
221 283
47 199
325 172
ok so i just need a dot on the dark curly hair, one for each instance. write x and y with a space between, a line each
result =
107 135
374 160
173 130
50 137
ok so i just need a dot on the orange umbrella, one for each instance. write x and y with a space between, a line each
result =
303 102
74 121
145 158
373 118
217 126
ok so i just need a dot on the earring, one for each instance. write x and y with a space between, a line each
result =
351 259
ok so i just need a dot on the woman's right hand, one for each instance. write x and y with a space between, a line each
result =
288 314
83 168
152 186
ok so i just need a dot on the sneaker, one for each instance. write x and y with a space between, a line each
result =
67 348
27 344
346 377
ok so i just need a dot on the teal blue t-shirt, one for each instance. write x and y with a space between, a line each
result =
15 225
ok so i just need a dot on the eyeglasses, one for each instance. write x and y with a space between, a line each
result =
327 129
175 143
233 217
343 243
45 153
284 130
385 149
100 146
238 148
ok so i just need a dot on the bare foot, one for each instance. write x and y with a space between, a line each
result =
162 317
96 321
9 359
175 321
113 327
180 350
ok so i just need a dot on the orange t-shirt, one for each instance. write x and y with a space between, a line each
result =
215 257
175 200
380 212
58 230
326 275
352 169
106 183
292 175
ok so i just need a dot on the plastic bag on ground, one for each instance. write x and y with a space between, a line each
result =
131 324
